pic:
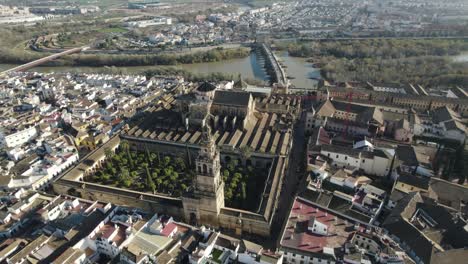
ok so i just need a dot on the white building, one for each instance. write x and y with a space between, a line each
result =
156 21
446 123
377 162
17 138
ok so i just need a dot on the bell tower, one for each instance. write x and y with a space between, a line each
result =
207 198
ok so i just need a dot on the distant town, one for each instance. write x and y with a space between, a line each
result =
164 165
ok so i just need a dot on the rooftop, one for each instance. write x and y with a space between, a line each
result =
297 236
232 98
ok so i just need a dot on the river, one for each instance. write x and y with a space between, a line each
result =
251 67
303 74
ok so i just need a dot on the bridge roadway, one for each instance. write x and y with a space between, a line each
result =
38 62
274 67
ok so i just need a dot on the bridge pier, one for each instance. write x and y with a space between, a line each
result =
277 74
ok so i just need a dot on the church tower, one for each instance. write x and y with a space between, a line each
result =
204 204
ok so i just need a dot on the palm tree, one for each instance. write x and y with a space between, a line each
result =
245 153
126 147
109 153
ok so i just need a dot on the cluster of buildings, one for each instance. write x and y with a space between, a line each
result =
424 221
63 10
216 28
37 227
208 125
143 4
31 14
326 19
13 14
411 18
299 17
317 19
392 111
148 21
373 193
48 121
316 234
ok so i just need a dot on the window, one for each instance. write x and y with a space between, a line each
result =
346 158
337 156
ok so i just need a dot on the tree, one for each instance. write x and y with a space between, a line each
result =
167 161
180 164
245 153
148 156
126 147
149 180
243 191
232 165
125 174
105 177
109 153
174 176
225 175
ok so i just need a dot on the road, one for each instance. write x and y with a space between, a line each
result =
293 181
362 38
38 62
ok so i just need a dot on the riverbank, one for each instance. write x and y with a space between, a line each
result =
251 68
426 62
123 60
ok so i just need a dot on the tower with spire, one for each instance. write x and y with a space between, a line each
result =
207 199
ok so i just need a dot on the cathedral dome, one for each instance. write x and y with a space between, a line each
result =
206 87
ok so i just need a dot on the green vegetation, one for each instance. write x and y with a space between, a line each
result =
16 40
216 254
144 171
98 60
150 172
113 30
190 76
213 55
243 186
425 62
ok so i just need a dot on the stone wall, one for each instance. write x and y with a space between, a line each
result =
244 222
145 201
229 218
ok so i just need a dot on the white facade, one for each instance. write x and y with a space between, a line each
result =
297 258
313 121
370 164
41 172
157 21
340 159
18 138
